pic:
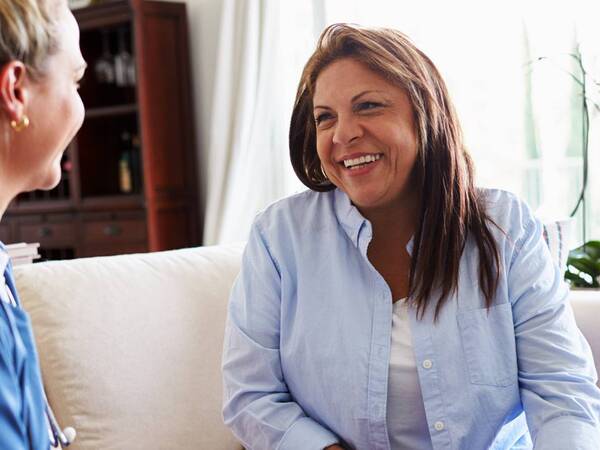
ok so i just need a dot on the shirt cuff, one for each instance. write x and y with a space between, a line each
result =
306 434
568 432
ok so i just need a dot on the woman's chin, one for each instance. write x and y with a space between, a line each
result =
47 182
365 198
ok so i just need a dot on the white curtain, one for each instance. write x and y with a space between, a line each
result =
261 51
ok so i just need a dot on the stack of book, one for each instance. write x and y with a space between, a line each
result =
22 253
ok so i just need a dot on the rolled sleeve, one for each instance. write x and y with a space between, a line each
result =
557 377
305 433
564 432
257 404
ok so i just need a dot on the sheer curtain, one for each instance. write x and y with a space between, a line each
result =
521 116
263 45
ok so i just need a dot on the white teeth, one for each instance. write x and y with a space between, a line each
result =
356 162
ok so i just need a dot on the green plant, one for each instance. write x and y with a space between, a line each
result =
583 266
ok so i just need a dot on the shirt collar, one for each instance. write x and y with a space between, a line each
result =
349 216
354 224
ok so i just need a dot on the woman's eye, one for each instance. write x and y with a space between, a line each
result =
322 117
365 106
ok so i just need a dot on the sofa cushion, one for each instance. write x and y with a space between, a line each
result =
130 346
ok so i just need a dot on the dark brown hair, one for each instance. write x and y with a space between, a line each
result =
451 208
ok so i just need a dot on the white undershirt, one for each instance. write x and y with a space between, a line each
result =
406 420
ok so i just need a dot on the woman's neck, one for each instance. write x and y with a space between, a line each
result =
395 222
7 185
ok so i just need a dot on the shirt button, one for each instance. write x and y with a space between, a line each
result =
439 426
427 364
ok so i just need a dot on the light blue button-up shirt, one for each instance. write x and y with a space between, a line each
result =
308 335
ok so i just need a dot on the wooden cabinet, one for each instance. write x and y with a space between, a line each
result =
129 181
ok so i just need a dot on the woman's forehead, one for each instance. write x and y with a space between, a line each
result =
350 76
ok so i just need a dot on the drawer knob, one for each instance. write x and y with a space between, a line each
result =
45 232
112 230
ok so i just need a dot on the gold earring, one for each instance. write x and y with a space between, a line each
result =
21 124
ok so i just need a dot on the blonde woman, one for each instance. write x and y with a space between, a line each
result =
40 112
395 305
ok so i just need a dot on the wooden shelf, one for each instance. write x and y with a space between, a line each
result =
112 202
133 135
111 111
41 207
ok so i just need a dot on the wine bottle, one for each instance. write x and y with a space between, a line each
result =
125 182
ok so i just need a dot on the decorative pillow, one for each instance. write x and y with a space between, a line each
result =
556 235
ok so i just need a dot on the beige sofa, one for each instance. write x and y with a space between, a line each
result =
130 346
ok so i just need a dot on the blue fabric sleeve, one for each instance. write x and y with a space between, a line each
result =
257 404
557 378
13 434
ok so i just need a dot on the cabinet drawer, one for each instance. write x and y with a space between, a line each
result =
48 234
114 231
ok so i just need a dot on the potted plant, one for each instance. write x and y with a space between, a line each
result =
583 266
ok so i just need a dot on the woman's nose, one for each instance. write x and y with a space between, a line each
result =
347 130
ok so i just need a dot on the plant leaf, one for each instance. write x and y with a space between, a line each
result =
583 264
575 280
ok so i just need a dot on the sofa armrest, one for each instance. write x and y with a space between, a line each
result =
586 307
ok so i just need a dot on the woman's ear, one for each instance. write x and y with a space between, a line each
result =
13 94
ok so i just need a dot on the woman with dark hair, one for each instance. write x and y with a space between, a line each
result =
394 304
40 111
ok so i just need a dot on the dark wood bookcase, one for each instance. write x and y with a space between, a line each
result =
129 180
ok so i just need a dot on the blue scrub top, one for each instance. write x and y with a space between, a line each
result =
23 422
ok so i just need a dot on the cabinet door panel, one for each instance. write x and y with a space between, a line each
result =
166 120
114 231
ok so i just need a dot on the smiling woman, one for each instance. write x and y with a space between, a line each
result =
40 112
395 305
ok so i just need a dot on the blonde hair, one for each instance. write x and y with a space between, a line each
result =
27 32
